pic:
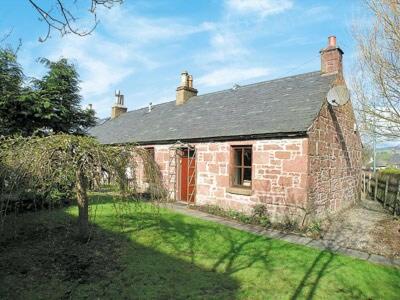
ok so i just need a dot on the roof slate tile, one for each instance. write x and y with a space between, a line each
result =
281 106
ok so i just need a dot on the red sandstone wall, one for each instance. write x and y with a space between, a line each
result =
138 178
279 178
334 159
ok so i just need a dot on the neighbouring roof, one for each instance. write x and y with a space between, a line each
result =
281 106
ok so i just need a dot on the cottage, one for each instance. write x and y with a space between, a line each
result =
277 142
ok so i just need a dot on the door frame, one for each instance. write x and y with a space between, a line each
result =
181 153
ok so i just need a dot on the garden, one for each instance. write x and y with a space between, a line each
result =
140 250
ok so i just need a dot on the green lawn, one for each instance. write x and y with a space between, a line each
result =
170 256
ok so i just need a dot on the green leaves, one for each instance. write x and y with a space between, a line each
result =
50 104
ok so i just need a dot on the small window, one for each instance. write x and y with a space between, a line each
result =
150 150
241 168
147 166
187 152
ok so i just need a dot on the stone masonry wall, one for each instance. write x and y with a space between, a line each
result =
279 174
334 159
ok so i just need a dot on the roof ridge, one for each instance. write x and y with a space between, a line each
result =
262 82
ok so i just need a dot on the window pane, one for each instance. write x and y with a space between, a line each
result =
247 174
247 157
237 156
191 153
237 176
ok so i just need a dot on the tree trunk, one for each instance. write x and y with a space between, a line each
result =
83 204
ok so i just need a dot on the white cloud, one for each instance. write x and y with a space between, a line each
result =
127 24
231 75
225 47
125 44
101 64
260 7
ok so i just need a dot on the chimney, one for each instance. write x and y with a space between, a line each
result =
185 91
118 108
331 58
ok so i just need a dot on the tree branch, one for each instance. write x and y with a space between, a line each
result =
63 21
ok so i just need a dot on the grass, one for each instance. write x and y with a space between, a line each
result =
165 255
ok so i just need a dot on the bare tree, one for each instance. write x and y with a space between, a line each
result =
59 17
376 82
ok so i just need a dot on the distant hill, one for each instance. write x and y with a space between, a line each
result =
388 156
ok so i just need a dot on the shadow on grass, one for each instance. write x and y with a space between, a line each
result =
318 267
162 255
44 259
272 267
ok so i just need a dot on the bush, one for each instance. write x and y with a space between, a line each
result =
290 224
258 217
390 171
315 229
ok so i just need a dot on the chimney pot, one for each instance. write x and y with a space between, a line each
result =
118 108
185 91
331 58
184 78
190 81
332 41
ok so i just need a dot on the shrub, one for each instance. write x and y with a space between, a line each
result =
290 224
258 217
315 229
390 171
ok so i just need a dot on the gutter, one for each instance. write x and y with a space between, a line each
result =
221 138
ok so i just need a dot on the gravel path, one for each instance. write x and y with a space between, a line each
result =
366 227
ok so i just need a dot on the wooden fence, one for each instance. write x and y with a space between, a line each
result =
383 188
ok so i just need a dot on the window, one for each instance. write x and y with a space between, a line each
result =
186 152
241 166
148 167
150 151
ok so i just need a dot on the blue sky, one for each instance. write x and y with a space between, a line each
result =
142 46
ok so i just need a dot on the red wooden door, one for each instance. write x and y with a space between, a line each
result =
188 178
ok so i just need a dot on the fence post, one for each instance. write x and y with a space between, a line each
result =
396 201
364 183
386 191
376 186
369 183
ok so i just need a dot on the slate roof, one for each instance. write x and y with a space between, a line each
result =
277 107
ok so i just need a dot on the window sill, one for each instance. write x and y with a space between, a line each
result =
239 191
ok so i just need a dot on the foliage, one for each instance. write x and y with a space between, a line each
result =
289 224
259 216
390 171
51 104
45 163
11 80
315 229
59 92
171 256
260 213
